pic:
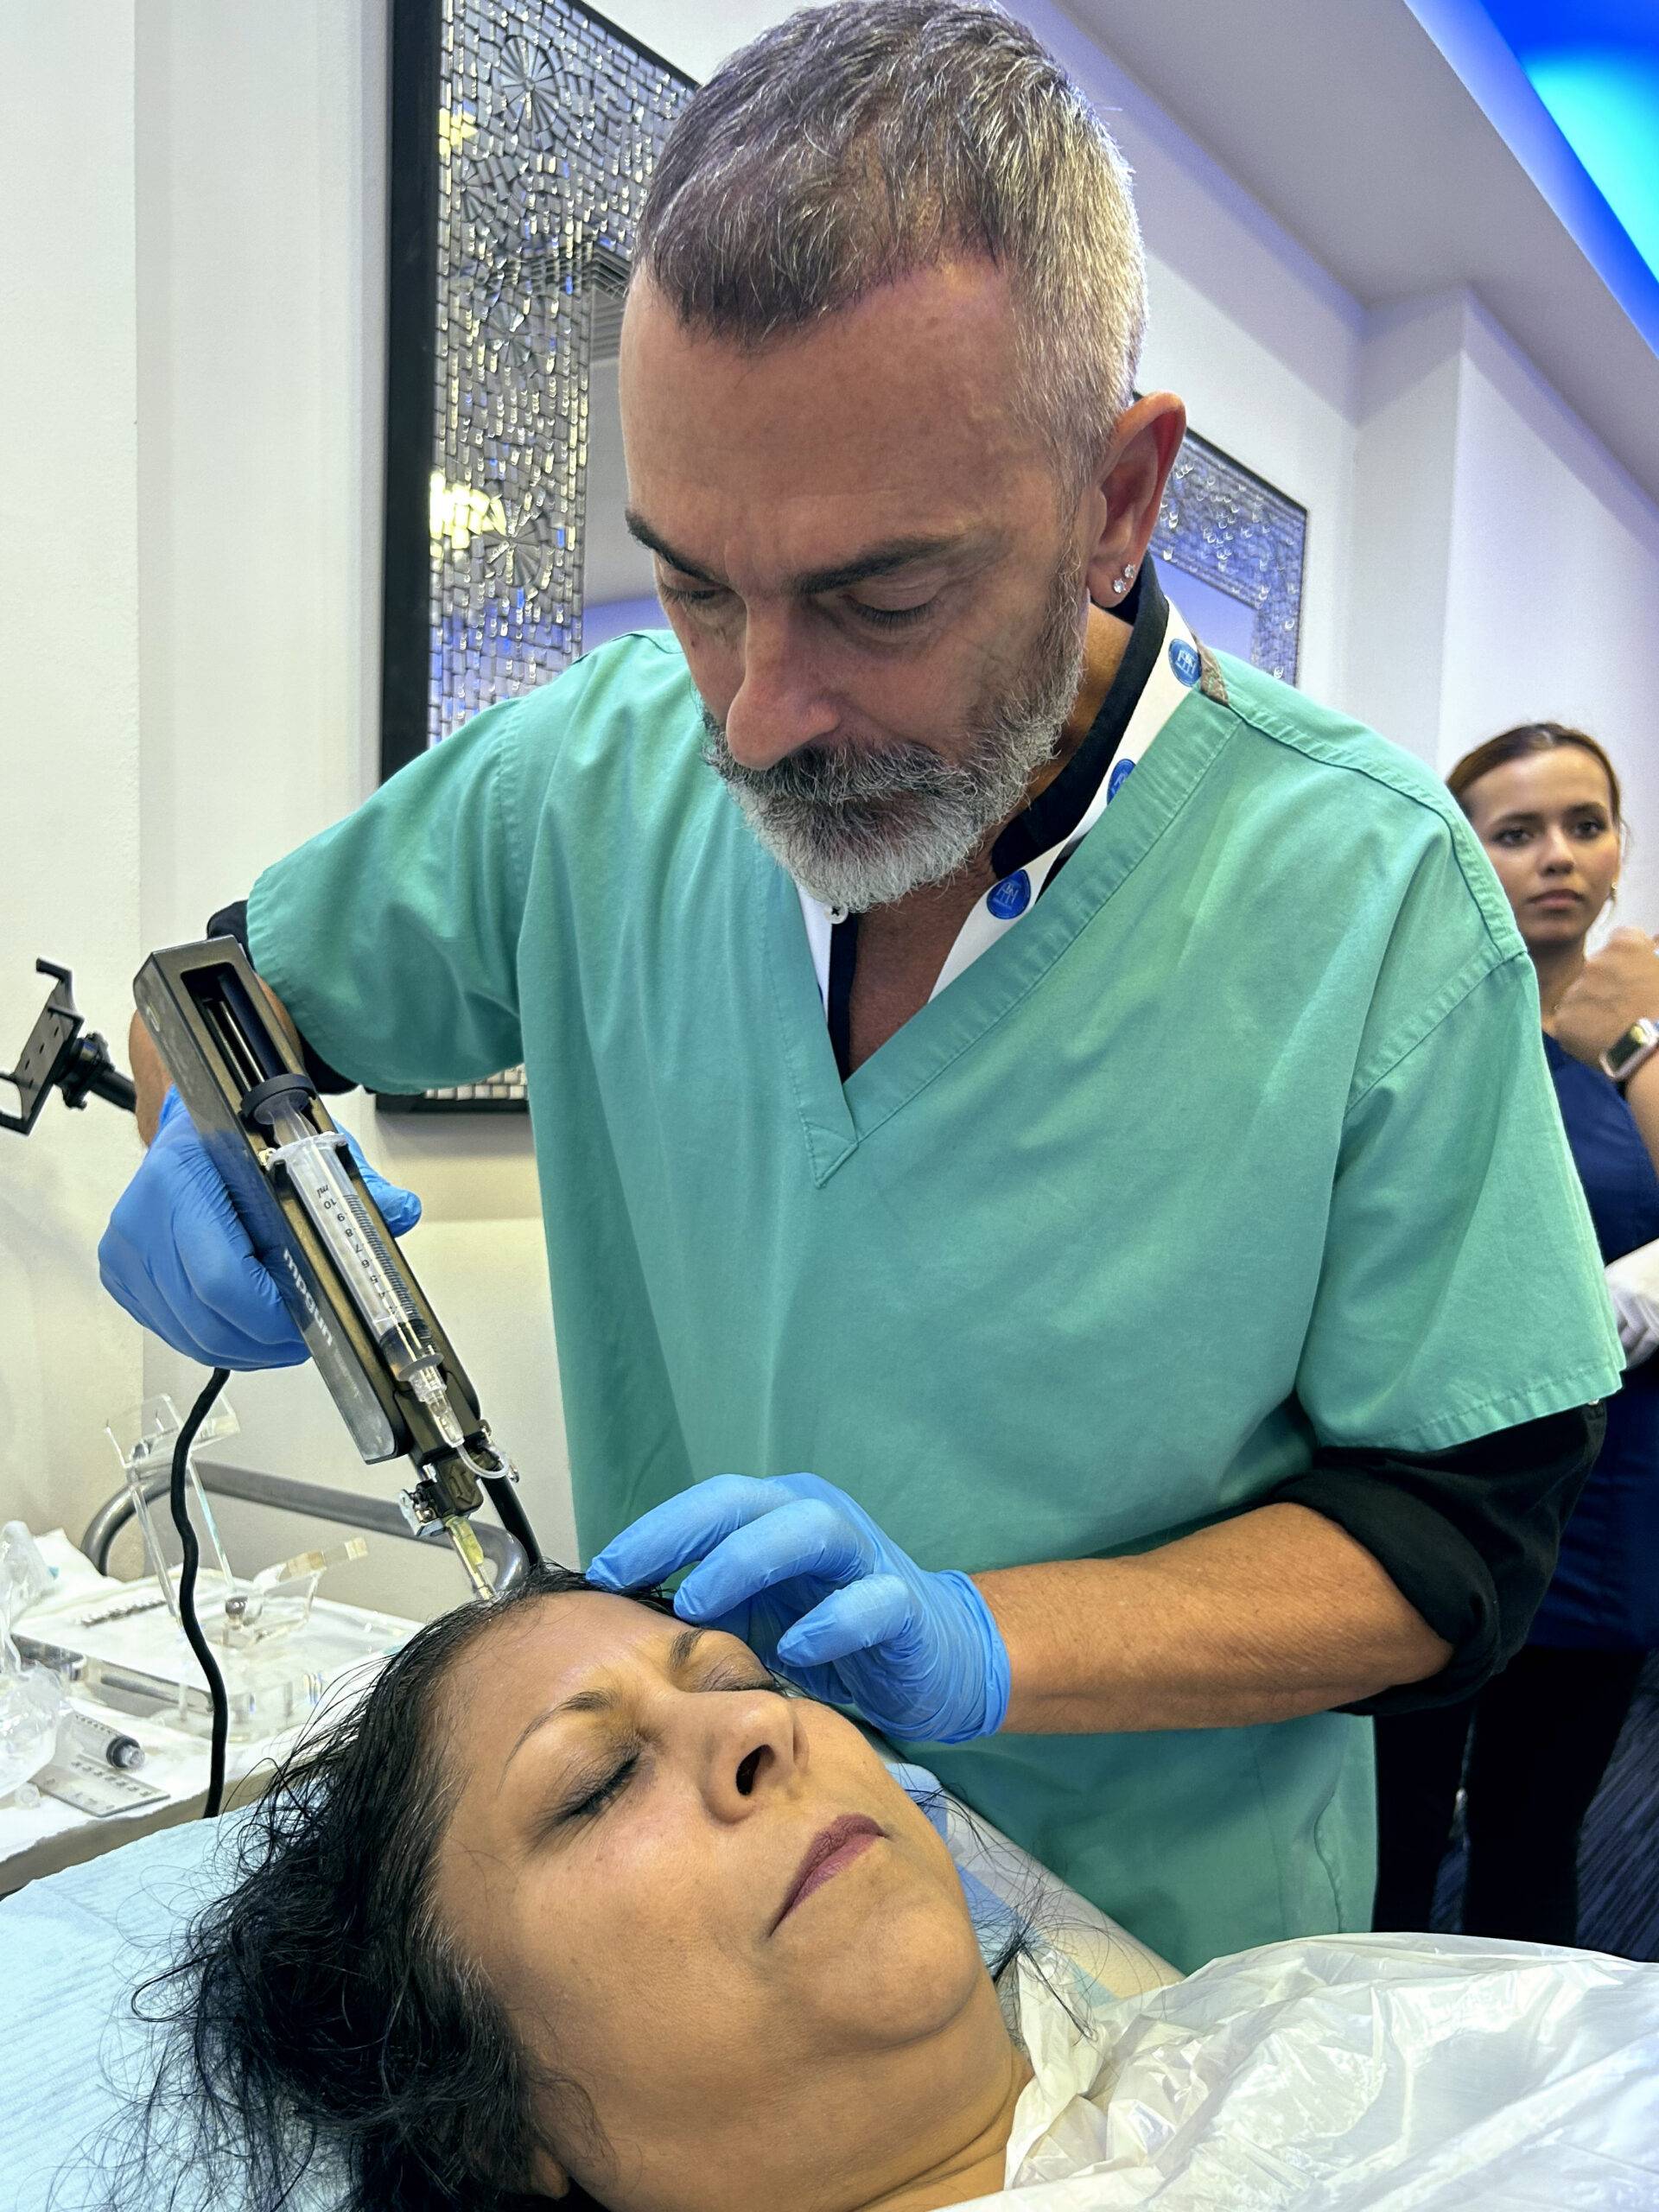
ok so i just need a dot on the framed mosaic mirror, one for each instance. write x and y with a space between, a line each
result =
1237 550
524 134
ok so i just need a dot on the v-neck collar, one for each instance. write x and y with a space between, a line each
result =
834 1117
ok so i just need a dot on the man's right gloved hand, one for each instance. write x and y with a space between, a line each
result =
176 1256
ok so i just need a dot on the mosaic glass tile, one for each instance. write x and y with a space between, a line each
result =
549 123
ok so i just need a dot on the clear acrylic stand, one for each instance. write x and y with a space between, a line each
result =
279 1647
145 1438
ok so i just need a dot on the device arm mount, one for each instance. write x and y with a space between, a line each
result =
58 1056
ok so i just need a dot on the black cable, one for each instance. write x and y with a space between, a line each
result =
504 1497
192 1559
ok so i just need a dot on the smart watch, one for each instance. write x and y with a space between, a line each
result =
1631 1051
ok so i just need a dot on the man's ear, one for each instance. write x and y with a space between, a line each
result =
1135 469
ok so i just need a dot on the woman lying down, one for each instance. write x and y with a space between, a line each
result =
583 1905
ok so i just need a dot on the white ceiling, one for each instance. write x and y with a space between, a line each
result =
1344 121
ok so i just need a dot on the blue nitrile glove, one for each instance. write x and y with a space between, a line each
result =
177 1255
813 1587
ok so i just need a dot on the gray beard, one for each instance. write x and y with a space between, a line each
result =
858 829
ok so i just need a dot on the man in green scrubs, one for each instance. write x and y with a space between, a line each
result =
1075 1095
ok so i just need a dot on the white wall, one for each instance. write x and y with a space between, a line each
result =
1405 471
1259 340
69 874
194 230
1505 568
261 223
1553 605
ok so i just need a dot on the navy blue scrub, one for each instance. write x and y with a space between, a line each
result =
1605 1593
1545 1728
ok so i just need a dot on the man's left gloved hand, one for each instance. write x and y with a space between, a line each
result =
805 1576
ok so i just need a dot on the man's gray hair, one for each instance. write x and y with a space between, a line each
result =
859 142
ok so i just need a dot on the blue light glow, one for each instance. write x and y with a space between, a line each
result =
1595 66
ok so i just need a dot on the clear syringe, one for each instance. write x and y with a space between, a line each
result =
362 1257
312 1162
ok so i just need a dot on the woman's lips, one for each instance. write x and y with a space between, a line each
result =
843 1841
1556 901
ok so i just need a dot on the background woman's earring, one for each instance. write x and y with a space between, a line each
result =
1121 584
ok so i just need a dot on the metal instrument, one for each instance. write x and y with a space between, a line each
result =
390 1368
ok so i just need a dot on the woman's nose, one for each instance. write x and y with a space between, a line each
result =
753 1749
1557 853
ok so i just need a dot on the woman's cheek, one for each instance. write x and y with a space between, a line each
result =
647 1872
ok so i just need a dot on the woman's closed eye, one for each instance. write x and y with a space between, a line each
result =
586 1796
588 1799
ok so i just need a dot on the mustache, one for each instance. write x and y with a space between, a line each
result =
838 776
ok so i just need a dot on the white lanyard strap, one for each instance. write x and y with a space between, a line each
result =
1174 672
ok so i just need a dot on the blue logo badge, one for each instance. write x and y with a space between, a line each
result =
1119 777
1184 659
1010 897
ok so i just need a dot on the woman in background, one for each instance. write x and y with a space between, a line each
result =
1545 802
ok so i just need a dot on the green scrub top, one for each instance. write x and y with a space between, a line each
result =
1240 1143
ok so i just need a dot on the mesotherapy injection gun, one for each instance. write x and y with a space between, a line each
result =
378 1344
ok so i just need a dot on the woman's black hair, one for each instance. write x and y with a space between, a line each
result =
320 2027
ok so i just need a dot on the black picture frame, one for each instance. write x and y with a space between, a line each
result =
417 37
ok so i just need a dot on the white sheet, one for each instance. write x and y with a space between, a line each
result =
1347 2073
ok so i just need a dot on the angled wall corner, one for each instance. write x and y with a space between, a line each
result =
1505 567
1552 608
1405 473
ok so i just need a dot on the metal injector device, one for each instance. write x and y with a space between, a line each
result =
390 1368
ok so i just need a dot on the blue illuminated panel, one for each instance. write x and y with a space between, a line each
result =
1595 66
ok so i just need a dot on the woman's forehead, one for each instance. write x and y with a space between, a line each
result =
561 1643
576 1661
1536 782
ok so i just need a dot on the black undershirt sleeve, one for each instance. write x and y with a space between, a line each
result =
1468 1536
232 921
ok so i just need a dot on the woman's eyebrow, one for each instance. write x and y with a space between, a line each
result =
1538 814
598 1698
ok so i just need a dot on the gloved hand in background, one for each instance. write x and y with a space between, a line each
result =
176 1256
805 1576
